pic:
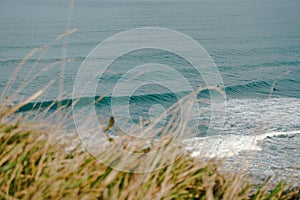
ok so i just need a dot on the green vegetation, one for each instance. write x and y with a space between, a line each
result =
34 165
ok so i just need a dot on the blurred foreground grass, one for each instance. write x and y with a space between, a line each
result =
34 165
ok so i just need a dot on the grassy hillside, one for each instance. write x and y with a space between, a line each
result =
35 165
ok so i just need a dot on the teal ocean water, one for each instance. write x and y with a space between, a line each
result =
254 43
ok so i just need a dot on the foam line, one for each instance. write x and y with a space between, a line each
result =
273 134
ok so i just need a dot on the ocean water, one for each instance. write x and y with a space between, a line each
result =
254 43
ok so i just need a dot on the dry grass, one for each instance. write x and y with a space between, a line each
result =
34 165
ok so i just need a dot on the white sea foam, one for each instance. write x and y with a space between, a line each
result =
228 145
244 119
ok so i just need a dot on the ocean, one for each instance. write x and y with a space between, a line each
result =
255 45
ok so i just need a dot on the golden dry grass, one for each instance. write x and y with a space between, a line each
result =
34 165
